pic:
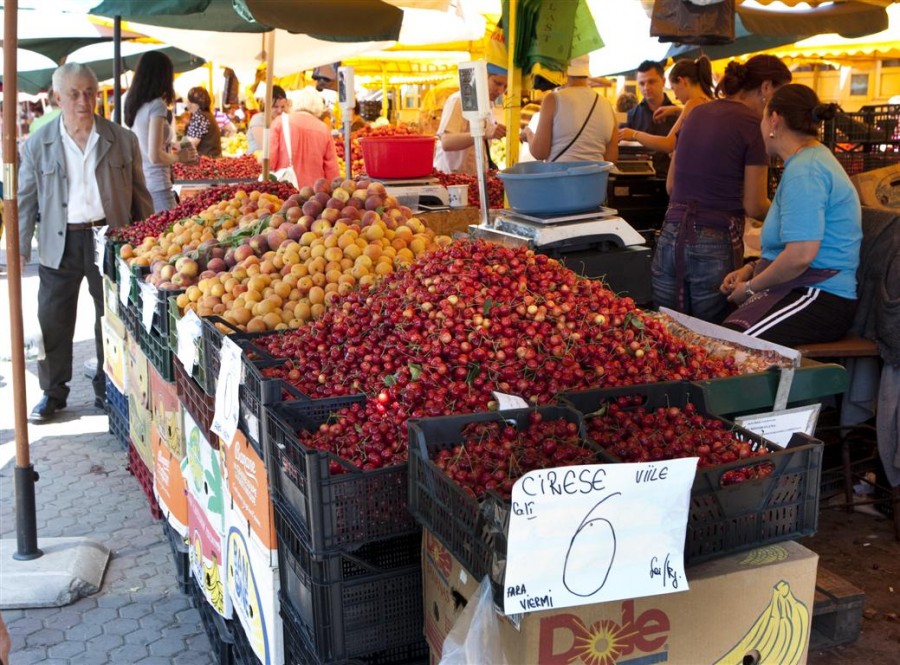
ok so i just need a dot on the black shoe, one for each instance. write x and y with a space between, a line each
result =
100 403
47 408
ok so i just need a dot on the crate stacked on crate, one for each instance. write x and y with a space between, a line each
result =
732 508
181 557
144 476
117 410
865 140
218 630
348 549
196 402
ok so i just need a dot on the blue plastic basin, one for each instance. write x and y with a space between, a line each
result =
540 188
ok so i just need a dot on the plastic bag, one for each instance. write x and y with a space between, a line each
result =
686 23
475 637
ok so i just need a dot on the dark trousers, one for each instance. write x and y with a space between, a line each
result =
58 309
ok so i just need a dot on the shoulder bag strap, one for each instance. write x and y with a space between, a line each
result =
583 125
286 126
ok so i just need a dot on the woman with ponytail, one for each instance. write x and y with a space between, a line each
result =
719 174
803 289
691 81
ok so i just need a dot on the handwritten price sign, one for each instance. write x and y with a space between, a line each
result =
225 417
589 534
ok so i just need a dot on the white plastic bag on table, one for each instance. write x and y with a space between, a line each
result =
475 637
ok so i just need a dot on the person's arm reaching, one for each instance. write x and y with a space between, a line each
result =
756 191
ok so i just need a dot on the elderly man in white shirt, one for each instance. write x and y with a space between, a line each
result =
76 174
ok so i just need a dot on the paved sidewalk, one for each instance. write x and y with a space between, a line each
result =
139 615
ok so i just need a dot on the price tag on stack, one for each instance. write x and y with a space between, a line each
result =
124 282
189 329
100 246
148 304
225 418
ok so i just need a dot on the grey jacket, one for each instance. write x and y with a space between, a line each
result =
43 193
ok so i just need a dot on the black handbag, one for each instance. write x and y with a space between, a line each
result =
686 23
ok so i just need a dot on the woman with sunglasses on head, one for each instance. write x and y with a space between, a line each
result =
803 289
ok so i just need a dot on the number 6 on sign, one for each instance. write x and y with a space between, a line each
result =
225 418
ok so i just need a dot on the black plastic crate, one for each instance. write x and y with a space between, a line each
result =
110 254
297 650
333 512
241 650
837 611
212 346
129 319
473 531
724 519
198 373
217 629
117 411
859 160
181 556
350 605
144 476
871 124
197 403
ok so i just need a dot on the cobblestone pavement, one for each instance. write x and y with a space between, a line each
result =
139 615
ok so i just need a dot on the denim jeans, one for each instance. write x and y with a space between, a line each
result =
707 259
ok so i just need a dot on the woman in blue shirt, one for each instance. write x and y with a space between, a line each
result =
803 289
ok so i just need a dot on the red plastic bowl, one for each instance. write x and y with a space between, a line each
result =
393 157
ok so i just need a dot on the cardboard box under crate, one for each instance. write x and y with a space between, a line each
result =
114 351
726 614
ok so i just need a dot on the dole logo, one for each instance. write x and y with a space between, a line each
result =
604 642
438 554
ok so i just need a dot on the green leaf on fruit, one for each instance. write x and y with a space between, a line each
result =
358 428
633 320
486 308
390 380
474 371
415 371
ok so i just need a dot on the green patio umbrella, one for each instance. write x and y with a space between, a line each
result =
334 20
38 80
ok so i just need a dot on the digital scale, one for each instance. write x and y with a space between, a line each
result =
594 244
428 190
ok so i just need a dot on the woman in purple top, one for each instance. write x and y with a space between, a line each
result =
719 174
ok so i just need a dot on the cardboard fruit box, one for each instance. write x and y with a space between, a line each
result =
753 602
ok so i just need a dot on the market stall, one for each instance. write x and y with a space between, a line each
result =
334 409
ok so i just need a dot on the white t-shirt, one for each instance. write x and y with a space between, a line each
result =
453 122
572 108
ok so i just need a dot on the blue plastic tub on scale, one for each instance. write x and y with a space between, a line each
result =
541 188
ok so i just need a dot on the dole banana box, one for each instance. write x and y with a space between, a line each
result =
248 484
759 601
206 548
168 484
252 585
203 474
166 412
139 414
114 349
111 301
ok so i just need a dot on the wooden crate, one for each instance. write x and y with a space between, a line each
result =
837 612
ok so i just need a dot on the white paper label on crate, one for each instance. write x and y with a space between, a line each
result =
778 426
225 418
581 535
188 328
505 402
100 245
148 304
124 282
252 423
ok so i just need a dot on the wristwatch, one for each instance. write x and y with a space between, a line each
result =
747 290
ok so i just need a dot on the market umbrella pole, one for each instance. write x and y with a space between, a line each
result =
117 70
267 119
26 519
